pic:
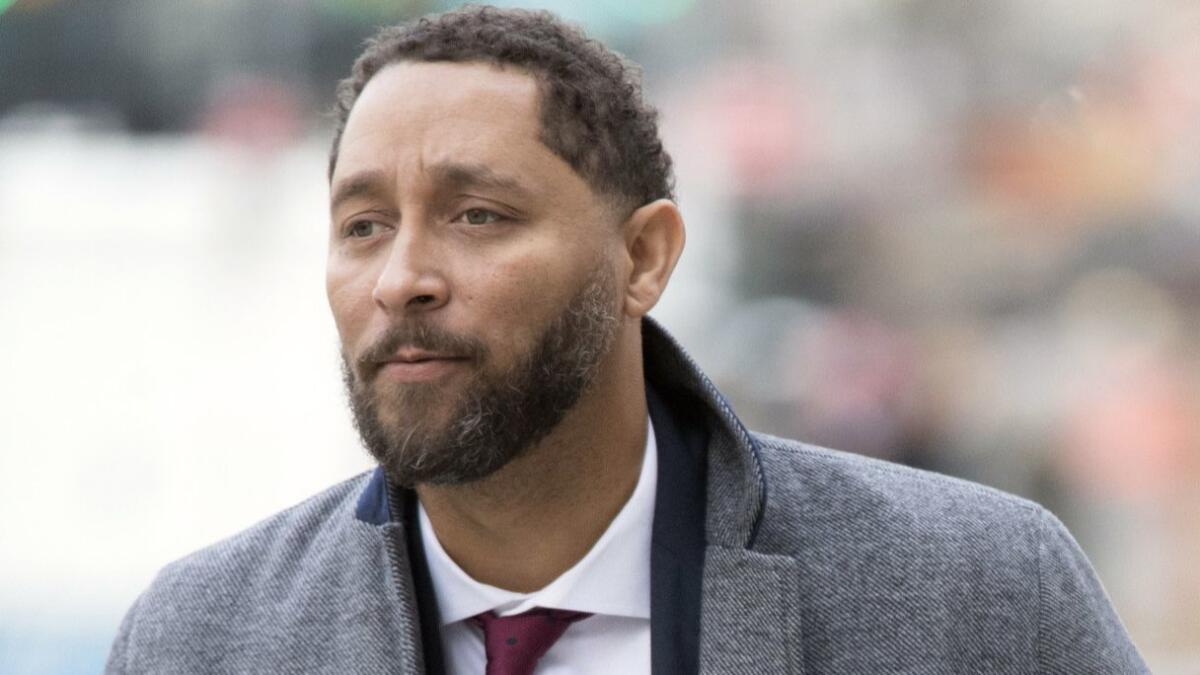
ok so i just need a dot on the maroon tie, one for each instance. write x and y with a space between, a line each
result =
515 643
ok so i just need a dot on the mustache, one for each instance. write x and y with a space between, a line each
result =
418 335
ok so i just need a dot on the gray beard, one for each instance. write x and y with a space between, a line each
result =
500 415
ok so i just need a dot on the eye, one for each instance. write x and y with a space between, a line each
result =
361 229
479 216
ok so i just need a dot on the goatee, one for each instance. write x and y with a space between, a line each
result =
499 415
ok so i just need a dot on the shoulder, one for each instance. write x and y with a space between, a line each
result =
280 542
887 549
247 585
863 531
814 493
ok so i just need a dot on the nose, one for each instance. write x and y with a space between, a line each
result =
412 279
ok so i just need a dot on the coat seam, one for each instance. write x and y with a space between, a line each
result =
1040 530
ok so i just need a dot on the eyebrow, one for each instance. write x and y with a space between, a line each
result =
459 175
362 184
448 176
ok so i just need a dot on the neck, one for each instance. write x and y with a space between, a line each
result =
529 522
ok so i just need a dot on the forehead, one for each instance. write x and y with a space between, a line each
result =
420 113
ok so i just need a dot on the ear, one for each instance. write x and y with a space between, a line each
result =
654 236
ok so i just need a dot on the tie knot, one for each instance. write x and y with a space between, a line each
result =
515 643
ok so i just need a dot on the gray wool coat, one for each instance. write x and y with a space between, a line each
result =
813 562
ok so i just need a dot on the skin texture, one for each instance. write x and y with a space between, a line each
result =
447 210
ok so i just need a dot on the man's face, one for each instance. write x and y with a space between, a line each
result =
471 271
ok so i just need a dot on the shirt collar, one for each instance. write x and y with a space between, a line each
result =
612 579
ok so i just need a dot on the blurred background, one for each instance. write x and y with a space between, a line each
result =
963 236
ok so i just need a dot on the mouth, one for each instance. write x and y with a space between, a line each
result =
416 365
416 355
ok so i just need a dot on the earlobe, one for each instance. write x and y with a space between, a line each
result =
654 239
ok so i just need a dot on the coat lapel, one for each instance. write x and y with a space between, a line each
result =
408 644
749 614
749 619
382 507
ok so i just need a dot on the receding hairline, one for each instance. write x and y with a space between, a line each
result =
540 81
620 204
592 110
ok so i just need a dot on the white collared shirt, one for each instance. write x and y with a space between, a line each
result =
612 582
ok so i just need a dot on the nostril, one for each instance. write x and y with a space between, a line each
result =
423 299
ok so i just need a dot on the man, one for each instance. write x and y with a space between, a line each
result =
561 490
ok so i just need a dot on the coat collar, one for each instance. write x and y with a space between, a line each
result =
374 503
750 614
737 489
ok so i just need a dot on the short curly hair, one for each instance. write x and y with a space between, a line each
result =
592 112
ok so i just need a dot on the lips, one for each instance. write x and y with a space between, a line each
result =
412 355
419 365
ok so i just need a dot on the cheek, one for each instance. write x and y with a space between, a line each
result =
350 302
518 296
